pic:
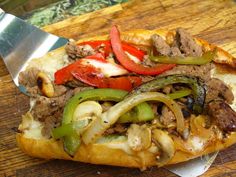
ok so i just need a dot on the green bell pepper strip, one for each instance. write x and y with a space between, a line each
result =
63 130
179 94
140 113
198 90
68 129
71 143
204 59
94 94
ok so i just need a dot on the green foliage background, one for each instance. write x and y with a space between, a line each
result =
66 8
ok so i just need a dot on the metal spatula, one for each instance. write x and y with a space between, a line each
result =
20 42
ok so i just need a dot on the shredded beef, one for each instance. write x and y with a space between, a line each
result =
217 88
74 51
223 115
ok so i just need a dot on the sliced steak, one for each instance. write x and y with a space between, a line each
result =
33 91
147 62
175 52
223 115
51 122
117 128
74 51
186 43
183 45
49 110
59 90
80 89
48 106
147 78
217 88
28 78
167 117
202 71
163 48
160 44
74 83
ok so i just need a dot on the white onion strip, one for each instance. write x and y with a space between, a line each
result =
108 118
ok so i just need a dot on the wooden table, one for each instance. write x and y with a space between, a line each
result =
213 20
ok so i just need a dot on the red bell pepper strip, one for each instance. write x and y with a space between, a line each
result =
92 76
104 67
107 68
128 63
107 48
64 75
133 51
97 56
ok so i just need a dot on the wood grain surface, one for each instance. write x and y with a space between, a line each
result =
212 20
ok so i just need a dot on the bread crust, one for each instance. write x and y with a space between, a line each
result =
102 154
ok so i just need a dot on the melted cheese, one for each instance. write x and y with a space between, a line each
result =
30 127
124 146
34 131
51 62
120 145
197 143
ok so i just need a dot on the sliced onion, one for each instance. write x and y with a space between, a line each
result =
108 118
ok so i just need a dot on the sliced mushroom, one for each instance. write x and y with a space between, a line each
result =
87 110
166 144
45 84
139 137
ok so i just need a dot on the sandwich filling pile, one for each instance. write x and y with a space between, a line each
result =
160 96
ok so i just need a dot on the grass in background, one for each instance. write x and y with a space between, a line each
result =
65 8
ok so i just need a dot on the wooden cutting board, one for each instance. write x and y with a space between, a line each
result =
212 20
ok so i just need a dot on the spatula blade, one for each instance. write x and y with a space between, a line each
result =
20 42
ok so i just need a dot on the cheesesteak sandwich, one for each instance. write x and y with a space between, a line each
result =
136 99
